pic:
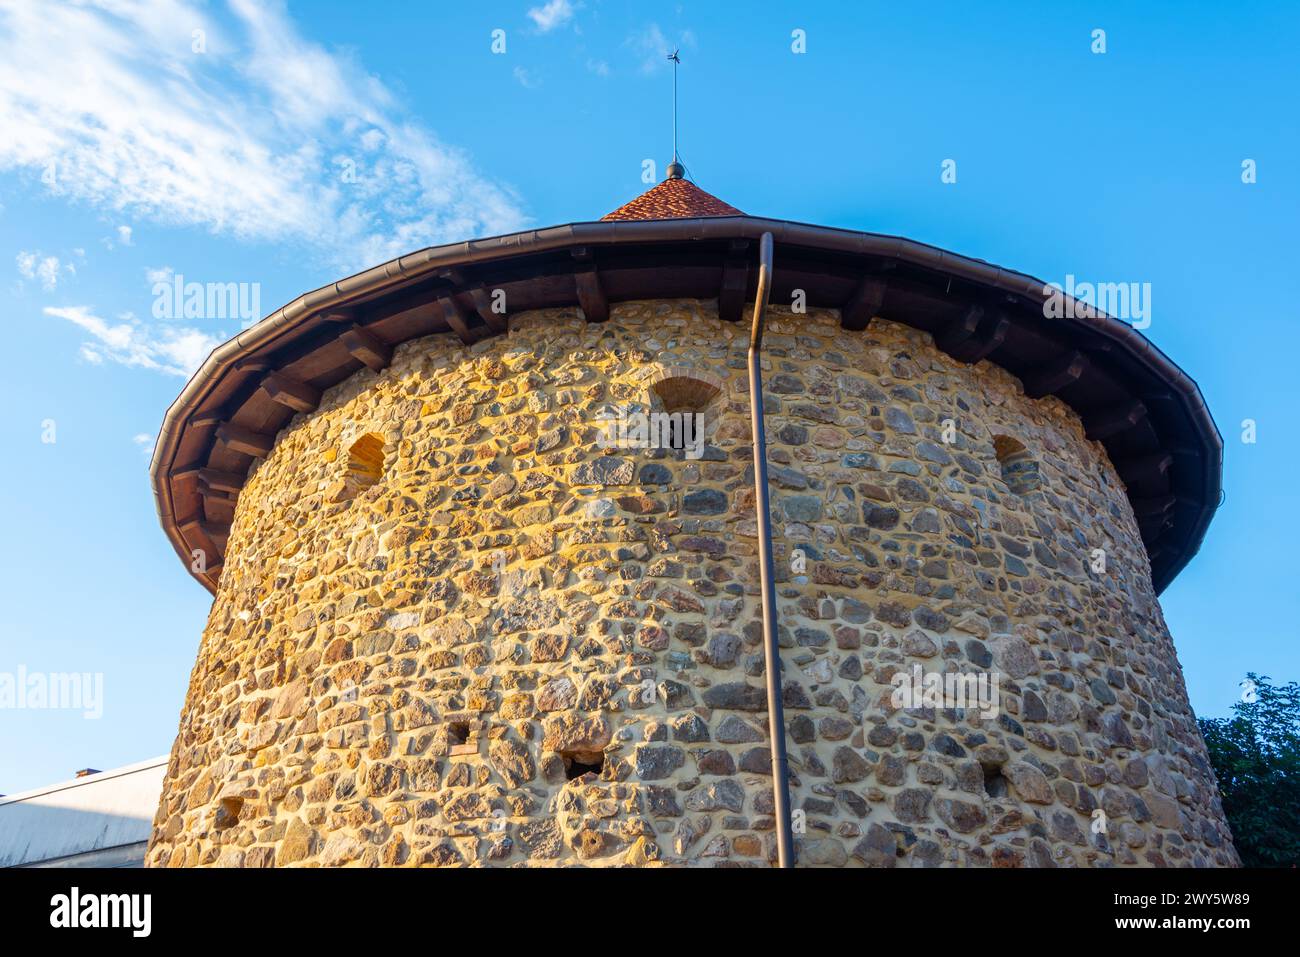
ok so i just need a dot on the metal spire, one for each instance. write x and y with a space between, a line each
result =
675 169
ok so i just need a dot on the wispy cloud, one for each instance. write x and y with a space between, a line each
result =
171 349
598 67
526 79
122 236
651 46
157 110
43 269
553 14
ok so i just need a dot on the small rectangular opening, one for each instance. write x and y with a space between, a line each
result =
228 812
995 785
578 763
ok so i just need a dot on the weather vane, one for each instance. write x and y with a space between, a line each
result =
675 170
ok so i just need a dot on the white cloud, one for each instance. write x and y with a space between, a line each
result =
144 441
43 269
242 139
526 79
555 13
165 274
121 236
174 350
598 67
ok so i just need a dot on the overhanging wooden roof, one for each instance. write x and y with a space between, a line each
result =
1146 411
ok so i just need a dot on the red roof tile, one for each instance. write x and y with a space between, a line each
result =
673 199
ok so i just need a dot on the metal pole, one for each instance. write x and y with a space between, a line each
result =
675 106
767 570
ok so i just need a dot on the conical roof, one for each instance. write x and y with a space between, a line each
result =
674 198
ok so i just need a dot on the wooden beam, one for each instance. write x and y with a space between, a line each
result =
1113 420
990 334
1157 552
456 319
1055 375
289 392
864 303
735 282
239 439
959 330
496 321
222 481
367 348
1159 505
595 308
421 297
212 496
348 316
218 535
586 280
198 532
1153 526
1137 468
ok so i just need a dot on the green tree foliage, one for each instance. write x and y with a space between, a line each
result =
1256 756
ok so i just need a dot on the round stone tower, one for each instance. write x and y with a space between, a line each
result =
480 525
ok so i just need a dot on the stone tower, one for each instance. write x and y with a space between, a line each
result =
481 599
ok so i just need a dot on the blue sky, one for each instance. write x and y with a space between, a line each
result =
288 146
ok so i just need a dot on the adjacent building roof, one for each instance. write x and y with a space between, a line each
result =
676 241
100 820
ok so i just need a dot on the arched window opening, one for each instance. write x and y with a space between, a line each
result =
365 464
678 419
1019 469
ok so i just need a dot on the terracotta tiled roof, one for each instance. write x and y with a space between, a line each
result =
673 199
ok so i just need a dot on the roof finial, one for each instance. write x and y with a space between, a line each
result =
675 169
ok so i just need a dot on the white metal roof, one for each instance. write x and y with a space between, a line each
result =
105 810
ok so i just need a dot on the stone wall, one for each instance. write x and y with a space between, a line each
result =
404 673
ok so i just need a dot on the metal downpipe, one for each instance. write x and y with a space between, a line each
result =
767 570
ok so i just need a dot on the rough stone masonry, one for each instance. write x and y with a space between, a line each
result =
491 641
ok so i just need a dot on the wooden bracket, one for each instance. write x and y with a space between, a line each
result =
864 304
1113 420
586 279
1055 375
291 393
367 348
239 439
735 282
